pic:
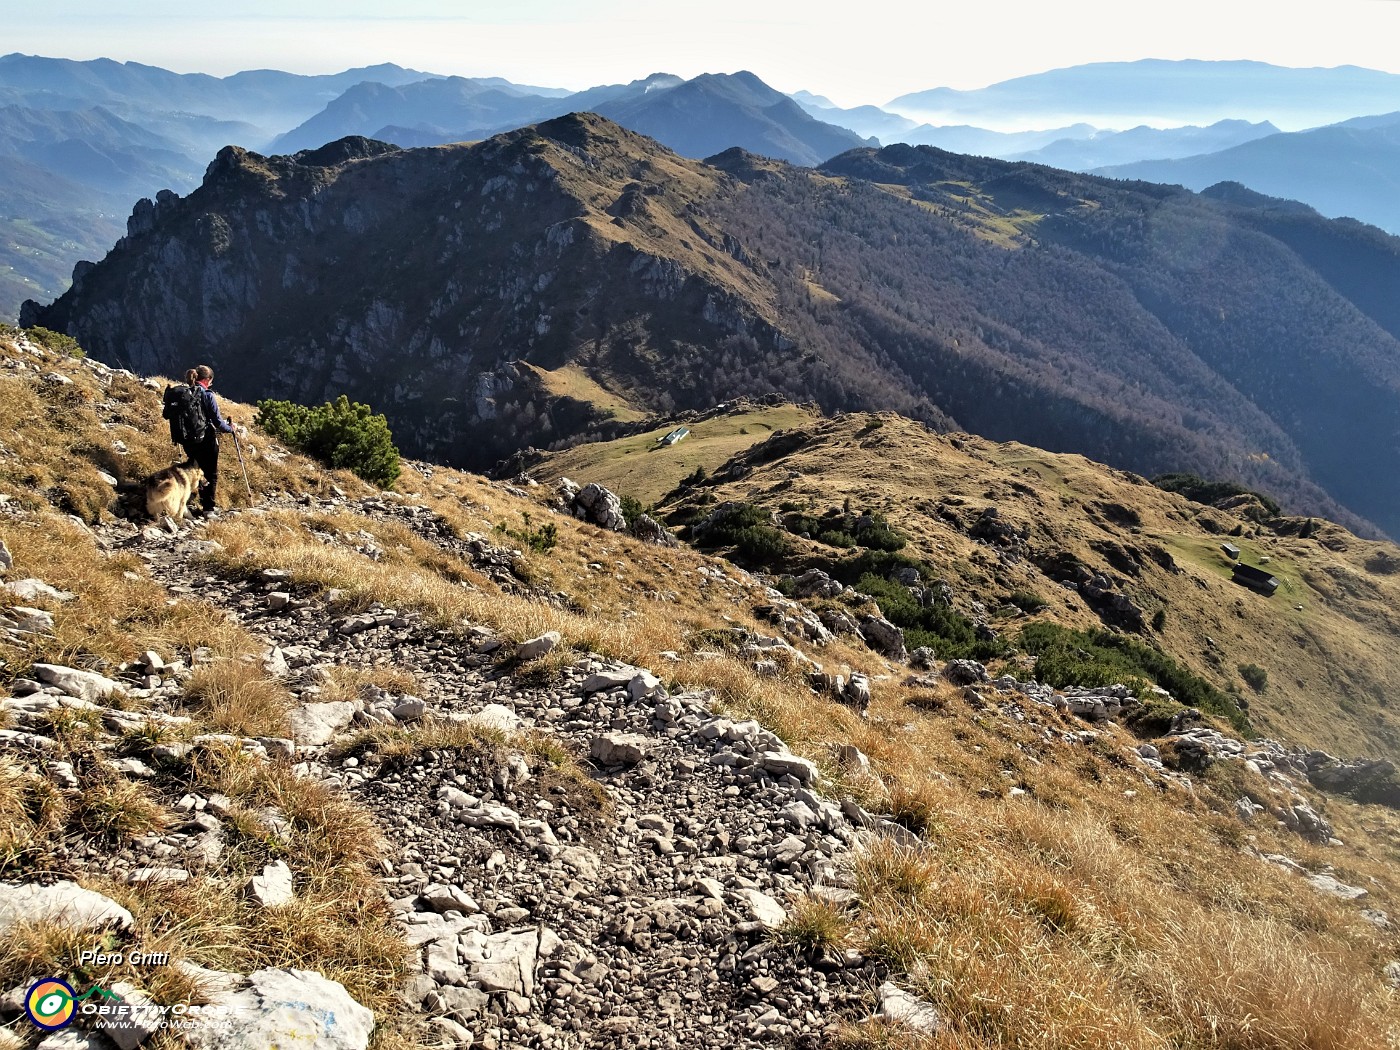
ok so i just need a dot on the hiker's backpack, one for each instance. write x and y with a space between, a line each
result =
185 410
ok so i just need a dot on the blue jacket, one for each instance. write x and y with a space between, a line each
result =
211 412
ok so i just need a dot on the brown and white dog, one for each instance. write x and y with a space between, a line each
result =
168 490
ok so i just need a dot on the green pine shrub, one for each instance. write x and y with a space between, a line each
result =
343 434
56 341
1067 657
1255 676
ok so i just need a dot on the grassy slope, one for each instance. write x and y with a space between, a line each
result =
1331 665
637 466
1098 905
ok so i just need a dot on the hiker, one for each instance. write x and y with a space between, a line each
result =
195 425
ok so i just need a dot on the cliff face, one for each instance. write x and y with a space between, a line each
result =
416 279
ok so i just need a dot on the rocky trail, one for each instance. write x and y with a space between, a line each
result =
635 896
583 861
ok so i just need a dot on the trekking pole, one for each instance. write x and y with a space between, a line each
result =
239 449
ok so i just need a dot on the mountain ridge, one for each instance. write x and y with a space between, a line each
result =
905 278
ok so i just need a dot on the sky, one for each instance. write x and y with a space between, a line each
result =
853 52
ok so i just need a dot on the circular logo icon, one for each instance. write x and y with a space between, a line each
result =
50 1003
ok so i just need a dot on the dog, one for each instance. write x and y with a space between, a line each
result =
168 490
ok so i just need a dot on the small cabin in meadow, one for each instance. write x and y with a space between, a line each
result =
674 436
1255 579
1231 551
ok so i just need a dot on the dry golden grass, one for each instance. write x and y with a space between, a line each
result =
347 683
32 812
1330 664
815 924
1038 927
62 435
122 612
399 742
1100 907
235 696
117 809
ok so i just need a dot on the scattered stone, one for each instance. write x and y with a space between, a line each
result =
763 907
497 717
273 888
37 590
1325 883
133 1020
85 685
314 725
900 1007
537 647
617 749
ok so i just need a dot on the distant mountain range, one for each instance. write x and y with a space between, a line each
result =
80 141
523 289
1349 169
266 98
1158 92
1085 153
693 117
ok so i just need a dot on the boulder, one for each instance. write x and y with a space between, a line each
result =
410 709
763 907
25 620
273 888
900 1007
884 637
504 962
7 560
923 659
649 530
600 507
30 590
611 678
852 759
617 749
780 764
313 725
497 717
133 1019
63 903
816 583
285 1008
856 692
645 686
537 647
86 685
965 672
1328 884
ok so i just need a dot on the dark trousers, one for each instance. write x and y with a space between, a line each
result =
206 455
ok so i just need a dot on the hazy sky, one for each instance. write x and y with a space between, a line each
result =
853 51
